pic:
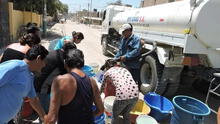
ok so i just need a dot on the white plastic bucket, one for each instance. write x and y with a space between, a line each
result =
95 67
145 119
108 103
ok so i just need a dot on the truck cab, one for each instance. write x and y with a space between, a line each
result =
110 37
108 15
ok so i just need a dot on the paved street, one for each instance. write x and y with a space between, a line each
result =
93 54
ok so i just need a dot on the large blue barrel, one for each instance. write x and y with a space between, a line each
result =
161 107
188 110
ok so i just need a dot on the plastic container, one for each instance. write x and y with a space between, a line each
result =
108 103
188 110
140 108
99 76
99 119
145 119
88 70
161 107
108 117
95 67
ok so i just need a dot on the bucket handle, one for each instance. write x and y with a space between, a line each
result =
198 119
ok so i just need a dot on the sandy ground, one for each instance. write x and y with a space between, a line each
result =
91 45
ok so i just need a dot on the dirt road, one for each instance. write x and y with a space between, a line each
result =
91 45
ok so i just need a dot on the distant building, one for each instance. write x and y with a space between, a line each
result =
92 20
87 17
145 3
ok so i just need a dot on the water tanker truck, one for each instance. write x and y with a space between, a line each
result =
180 38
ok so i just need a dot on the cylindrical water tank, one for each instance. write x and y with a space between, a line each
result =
201 19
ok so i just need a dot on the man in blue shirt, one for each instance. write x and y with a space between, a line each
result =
76 38
130 51
16 82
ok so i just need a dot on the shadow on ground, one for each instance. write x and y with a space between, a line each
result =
52 35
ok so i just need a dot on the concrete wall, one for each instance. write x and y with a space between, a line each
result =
18 18
10 10
17 21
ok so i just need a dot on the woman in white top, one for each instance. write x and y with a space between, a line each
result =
126 90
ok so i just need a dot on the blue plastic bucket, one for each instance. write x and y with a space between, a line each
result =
188 110
88 70
160 106
99 119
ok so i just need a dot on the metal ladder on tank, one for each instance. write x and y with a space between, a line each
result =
213 90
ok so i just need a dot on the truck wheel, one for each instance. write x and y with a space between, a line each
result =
171 77
105 46
150 75
171 89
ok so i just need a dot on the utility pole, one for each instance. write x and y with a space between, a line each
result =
90 13
44 18
4 24
78 13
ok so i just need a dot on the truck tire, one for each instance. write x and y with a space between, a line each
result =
171 77
171 89
105 46
150 75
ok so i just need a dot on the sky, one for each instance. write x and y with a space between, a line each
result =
76 5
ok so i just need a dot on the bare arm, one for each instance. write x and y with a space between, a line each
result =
67 41
55 103
97 99
35 104
103 86
105 81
